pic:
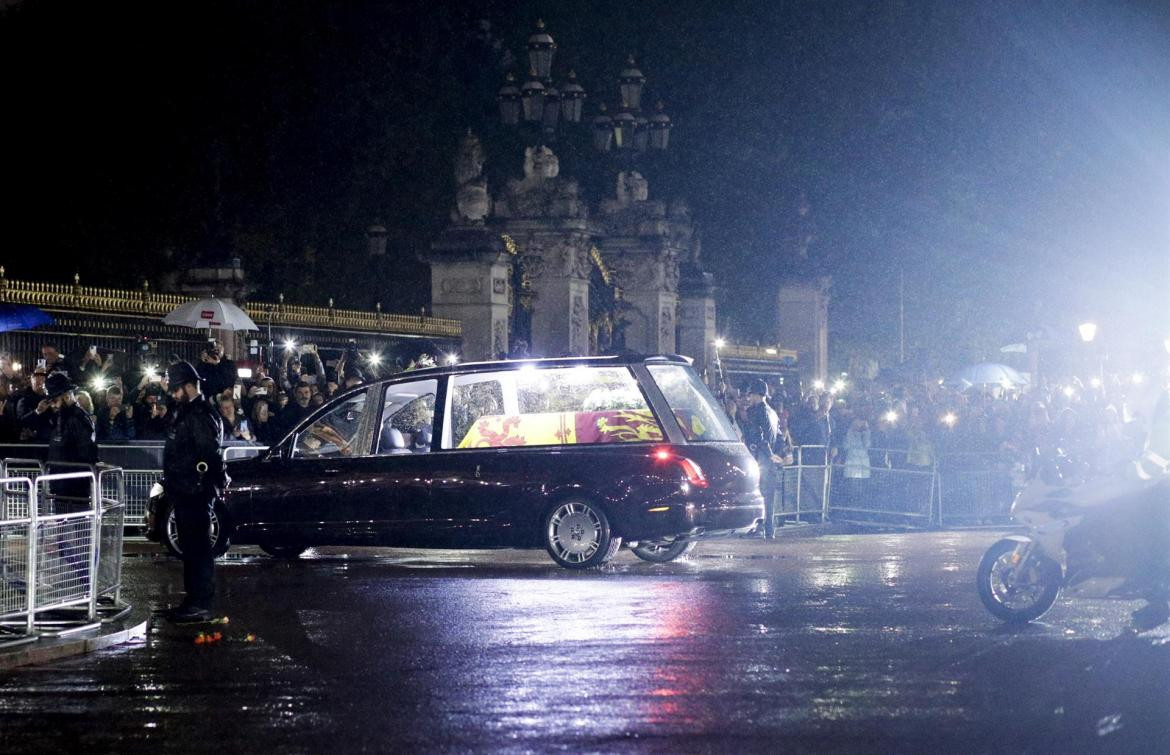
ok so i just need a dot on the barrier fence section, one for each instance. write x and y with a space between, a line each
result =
17 560
882 487
802 486
60 552
977 488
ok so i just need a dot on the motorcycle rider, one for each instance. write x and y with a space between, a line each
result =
194 476
1152 407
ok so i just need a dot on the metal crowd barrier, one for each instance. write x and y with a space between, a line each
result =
887 489
976 488
802 490
140 462
956 489
60 552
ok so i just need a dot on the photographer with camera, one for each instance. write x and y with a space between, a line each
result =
301 366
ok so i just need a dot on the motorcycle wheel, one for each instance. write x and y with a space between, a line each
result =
1024 599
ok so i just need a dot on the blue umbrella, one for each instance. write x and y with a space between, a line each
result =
22 317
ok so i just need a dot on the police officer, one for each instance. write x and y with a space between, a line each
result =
194 475
71 439
761 428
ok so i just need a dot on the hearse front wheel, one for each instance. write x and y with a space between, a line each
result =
577 535
218 530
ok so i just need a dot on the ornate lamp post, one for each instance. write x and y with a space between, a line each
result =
630 84
539 103
572 99
532 96
509 99
541 48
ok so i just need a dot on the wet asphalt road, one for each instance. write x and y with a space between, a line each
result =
862 642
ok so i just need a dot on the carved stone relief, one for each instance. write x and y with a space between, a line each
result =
499 286
461 285
499 338
578 320
665 328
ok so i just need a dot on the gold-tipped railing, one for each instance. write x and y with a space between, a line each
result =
92 299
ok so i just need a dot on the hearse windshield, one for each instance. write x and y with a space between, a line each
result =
693 405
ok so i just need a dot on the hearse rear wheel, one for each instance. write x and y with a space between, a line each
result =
577 535
283 551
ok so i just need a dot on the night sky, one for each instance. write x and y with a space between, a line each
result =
1012 159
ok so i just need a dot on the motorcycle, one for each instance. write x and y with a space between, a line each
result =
1107 537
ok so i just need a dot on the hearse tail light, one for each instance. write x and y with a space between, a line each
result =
692 470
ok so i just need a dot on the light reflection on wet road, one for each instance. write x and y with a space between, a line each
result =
841 643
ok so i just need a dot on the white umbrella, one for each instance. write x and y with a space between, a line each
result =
210 313
987 373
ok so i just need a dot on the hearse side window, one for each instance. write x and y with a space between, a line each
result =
548 407
408 414
693 405
342 431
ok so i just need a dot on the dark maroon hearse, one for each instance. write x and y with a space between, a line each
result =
578 456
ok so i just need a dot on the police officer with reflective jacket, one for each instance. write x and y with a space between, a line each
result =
194 476
71 439
761 429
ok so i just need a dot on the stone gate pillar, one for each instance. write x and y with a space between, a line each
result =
470 271
649 281
696 320
802 309
555 256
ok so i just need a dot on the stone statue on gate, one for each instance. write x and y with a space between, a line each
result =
472 201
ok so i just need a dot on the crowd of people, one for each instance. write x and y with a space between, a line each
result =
132 404
915 426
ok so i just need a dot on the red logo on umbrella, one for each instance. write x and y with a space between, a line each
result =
206 314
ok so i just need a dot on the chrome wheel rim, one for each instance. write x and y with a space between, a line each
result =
574 532
1021 592
173 530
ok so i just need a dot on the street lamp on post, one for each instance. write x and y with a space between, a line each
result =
1088 331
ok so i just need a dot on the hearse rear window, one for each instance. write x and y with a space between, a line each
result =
693 405
547 407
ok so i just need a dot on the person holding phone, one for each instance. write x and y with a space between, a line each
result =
218 373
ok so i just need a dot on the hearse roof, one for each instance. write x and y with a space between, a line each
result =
515 364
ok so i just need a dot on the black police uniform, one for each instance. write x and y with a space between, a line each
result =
194 476
760 432
71 439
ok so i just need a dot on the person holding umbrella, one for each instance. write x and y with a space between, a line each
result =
194 476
